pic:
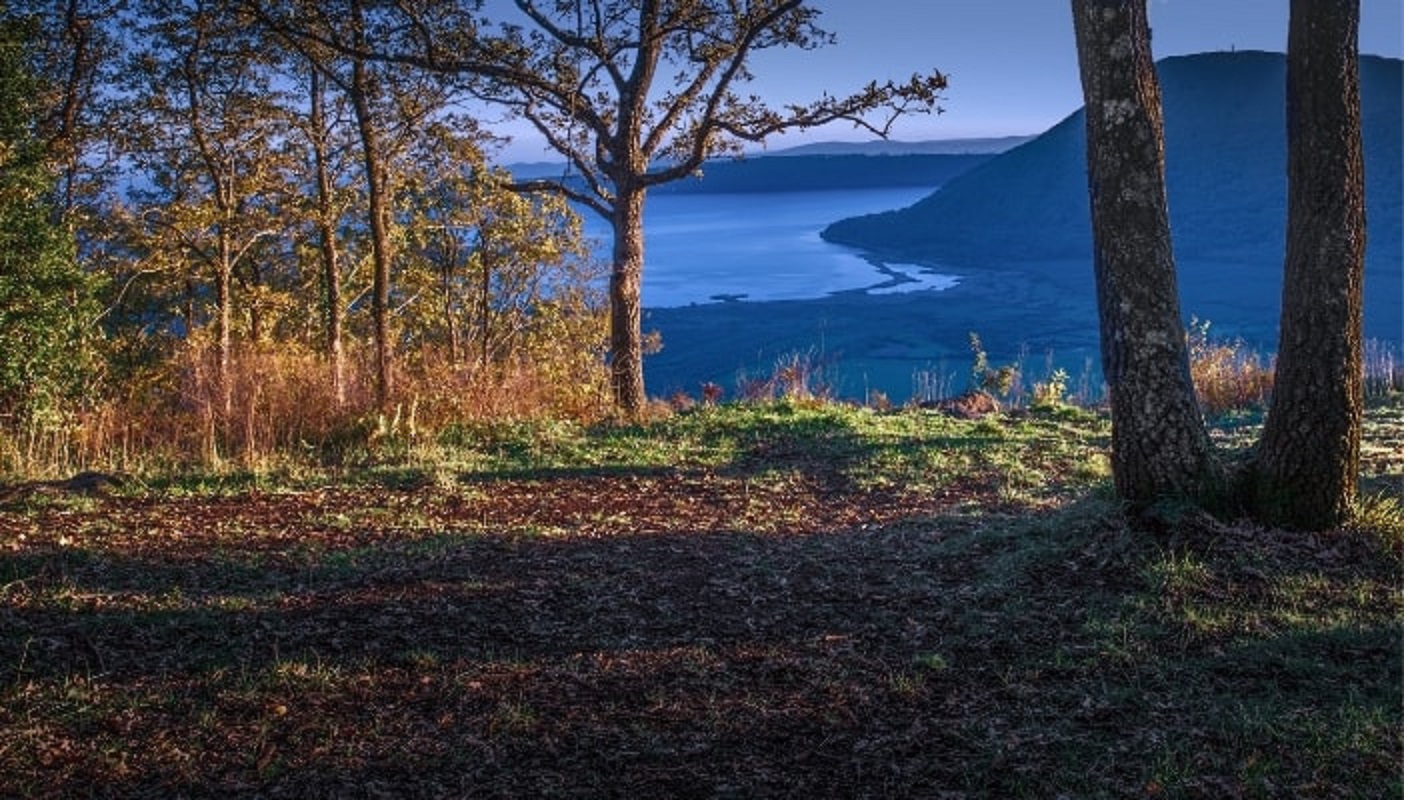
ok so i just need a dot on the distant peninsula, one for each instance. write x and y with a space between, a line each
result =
891 147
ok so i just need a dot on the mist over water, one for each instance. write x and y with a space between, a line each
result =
705 248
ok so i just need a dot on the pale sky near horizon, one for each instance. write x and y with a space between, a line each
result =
1011 64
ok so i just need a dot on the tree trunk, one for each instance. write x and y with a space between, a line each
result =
377 189
187 300
485 305
625 303
380 246
446 296
326 232
78 32
224 323
1308 462
256 330
1160 448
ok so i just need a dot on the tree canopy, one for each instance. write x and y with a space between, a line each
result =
46 301
632 94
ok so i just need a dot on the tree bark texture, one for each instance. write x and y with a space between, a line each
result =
1160 448
221 183
224 296
1306 473
377 194
326 234
625 304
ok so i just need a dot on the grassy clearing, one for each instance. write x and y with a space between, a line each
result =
749 601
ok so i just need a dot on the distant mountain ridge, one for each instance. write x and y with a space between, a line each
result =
803 173
811 173
889 147
824 166
1226 175
987 146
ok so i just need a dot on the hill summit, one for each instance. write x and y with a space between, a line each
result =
1226 172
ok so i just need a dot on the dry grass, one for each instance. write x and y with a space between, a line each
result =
283 410
1228 375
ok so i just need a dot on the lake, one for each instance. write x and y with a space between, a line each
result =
872 321
702 248
736 282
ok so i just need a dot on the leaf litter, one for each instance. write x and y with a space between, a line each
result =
694 632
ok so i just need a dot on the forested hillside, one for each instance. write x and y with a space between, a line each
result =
893 147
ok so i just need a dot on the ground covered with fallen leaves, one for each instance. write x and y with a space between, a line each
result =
781 602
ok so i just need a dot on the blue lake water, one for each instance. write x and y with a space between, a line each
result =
701 248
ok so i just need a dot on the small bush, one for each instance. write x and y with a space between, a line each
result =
998 381
1382 516
712 393
1053 392
1384 372
795 376
1228 375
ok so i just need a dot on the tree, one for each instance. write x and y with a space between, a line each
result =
363 89
326 213
76 44
1160 448
204 129
634 93
46 301
493 259
1306 468
391 105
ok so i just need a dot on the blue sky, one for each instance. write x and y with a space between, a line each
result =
1011 63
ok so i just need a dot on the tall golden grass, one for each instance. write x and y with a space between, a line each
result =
1228 374
283 408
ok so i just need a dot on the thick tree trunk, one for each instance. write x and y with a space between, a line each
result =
625 303
1160 448
1307 466
326 233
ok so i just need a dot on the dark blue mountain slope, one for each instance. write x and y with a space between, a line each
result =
1226 172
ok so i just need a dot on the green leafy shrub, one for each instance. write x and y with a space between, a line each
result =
47 303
